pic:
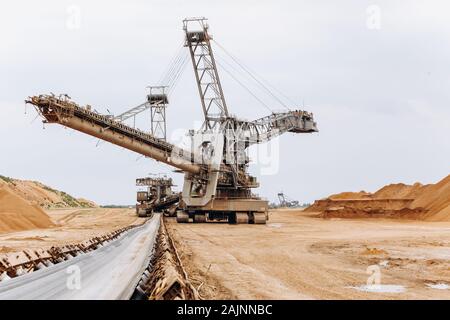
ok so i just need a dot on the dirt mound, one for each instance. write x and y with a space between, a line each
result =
435 198
17 214
87 203
399 191
351 213
417 201
351 195
42 195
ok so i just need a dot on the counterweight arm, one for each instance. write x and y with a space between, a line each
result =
264 129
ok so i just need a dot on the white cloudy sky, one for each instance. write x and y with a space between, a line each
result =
381 97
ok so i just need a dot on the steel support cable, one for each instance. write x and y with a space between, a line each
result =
231 66
254 76
173 69
174 82
179 69
169 68
244 86
172 62
171 78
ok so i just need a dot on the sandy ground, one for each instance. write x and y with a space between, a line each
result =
299 256
72 225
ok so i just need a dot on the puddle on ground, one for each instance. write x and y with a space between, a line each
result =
381 288
384 263
439 286
275 225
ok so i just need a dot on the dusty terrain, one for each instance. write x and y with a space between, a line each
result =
300 256
70 225
297 255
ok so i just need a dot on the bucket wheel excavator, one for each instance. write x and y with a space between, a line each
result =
217 185
158 197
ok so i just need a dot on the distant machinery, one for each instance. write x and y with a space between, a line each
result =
158 197
286 202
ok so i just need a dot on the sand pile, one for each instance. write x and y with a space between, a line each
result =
435 198
17 214
42 195
399 191
390 191
351 195
417 201
87 203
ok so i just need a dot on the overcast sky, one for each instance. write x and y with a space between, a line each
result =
376 74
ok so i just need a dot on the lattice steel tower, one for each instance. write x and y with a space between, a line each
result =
158 102
208 83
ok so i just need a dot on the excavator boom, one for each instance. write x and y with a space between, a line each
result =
67 113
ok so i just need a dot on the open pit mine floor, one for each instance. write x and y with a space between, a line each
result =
296 255
300 256
111 271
